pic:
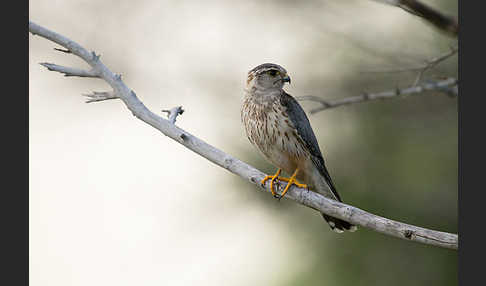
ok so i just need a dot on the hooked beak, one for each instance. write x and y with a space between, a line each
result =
286 79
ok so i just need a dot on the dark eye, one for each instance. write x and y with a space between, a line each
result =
273 72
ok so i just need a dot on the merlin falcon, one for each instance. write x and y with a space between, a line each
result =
277 125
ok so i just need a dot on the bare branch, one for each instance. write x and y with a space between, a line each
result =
422 68
100 96
173 113
235 166
433 62
428 64
67 71
448 86
441 21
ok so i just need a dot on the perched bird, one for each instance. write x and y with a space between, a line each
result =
277 125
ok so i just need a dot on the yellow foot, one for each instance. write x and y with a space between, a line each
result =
295 182
291 181
273 178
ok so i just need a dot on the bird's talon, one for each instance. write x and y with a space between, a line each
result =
275 180
292 181
272 180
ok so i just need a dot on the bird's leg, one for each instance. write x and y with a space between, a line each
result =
291 181
273 178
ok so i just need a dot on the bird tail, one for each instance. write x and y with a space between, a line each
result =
339 225
325 186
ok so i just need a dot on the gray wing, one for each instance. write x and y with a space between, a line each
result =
301 122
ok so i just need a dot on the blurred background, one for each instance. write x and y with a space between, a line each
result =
115 202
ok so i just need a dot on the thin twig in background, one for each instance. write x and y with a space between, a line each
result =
428 64
448 86
305 197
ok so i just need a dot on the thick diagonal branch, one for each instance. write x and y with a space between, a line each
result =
232 164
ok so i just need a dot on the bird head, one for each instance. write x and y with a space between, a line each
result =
266 77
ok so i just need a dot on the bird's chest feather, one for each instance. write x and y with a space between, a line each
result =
270 129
